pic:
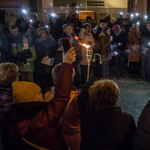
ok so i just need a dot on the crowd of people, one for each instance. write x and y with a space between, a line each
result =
45 100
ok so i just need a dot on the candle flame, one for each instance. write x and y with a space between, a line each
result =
76 37
85 45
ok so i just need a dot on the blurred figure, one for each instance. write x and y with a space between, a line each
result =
8 75
105 41
45 49
89 20
32 123
108 18
119 44
141 137
56 27
103 124
119 20
70 119
20 23
25 55
133 43
145 53
102 25
86 37
125 25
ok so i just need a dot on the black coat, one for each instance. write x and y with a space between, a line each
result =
44 48
108 129
142 135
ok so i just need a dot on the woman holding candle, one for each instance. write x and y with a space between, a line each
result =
86 37
105 41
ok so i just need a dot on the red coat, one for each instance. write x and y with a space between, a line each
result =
38 122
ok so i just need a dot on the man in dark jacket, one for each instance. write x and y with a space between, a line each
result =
145 53
32 124
142 138
103 127
58 58
119 45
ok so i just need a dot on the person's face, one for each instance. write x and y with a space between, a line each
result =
117 32
108 31
39 25
87 29
68 30
133 25
53 20
43 34
102 25
22 24
15 32
25 41
148 27
89 21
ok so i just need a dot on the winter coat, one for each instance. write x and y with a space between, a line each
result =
108 129
142 138
6 98
133 46
85 38
44 47
105 47
38 122
70 120
144 45
25 58
75 43
121 38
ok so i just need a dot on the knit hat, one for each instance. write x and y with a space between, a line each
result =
66 25
103 20
26 92
116 27
40 30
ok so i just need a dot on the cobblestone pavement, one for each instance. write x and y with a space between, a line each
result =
133 95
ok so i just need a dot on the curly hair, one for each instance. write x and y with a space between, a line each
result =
8 74
103 94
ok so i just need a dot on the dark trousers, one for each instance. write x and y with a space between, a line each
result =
77 77
27 76
145 60
83 73
105 67
134 68
119 63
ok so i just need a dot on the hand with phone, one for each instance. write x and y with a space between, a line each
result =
111 39
119 44
69 56
14 45
66 43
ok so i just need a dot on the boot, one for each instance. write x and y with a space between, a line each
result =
106 75
103 77
118 76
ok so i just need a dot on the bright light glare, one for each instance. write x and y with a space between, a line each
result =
137 14
132 15
138 23
77 11
31 20
46 26
53 14
146 17
121 13
24 11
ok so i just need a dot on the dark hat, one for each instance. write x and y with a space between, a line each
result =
88 18
66 25
103 20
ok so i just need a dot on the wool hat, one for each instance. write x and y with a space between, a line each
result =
66 25
116 27
39 31
103 20
26 92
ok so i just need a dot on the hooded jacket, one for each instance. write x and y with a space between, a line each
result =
38 122
85 38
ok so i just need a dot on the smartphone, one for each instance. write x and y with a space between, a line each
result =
111 37
66 44
95 29
15 44
119 44
97 58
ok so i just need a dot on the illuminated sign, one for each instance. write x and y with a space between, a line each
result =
95 3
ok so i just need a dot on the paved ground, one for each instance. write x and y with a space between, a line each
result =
133 95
